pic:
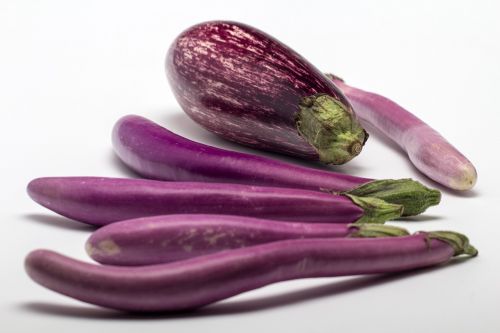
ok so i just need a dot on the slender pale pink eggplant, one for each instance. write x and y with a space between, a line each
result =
196 282
162 239
248 87
432 154
100 201
154 152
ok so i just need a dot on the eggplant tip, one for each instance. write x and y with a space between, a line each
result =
466 179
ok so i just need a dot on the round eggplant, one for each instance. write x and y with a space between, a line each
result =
250 88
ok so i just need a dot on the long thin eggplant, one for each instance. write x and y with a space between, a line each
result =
155 152
100 201
196 282
248 87
168 238
428 150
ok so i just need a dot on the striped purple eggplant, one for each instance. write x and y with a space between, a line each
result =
196 282
167 238
101 201
250 88
155 152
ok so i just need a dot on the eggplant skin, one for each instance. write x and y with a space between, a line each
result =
245 85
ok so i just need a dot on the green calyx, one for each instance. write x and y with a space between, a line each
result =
459 242
371 230
330 128
412 195
376 210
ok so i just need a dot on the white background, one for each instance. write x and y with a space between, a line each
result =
69 70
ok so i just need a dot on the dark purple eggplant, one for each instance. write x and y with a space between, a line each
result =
154 152
250 88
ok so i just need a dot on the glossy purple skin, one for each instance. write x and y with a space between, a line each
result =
245 85
162 239
100 201
200 281
154 152
430 152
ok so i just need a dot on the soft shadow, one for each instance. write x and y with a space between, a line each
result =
59 222
75 311
419 218
233 307
473 193
122 167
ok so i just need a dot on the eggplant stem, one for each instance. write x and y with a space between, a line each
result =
459 242
413 195
330 127
372 230
376 210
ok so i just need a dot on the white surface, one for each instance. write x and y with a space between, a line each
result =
69 70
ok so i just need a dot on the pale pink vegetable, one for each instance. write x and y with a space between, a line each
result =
427 149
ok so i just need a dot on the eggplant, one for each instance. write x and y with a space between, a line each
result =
167 238
199 281
248 87
101 200
428 150
154 152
